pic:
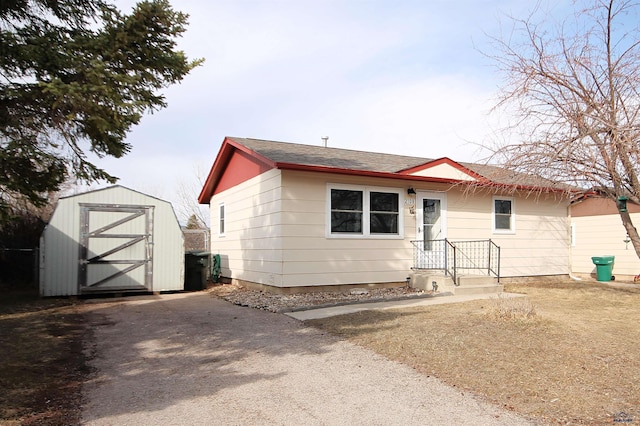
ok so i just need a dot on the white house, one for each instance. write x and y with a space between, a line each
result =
293 216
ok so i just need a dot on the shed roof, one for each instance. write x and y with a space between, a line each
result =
112 188
285 155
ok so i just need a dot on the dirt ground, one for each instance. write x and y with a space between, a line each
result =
46 349
576 360
43 364
195 359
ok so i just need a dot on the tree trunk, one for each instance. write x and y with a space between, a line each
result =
632 232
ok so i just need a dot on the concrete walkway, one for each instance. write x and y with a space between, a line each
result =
192 359
398 304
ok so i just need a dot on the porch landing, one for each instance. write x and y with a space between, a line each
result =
467 284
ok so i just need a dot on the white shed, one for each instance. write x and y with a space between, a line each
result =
111 240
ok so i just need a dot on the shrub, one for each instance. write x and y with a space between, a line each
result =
511 308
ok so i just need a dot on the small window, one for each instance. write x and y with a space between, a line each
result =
346 211
384 212
221 220
503 215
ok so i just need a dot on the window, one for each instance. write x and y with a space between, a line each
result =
221 220
346 211
361 212
503 215
383 216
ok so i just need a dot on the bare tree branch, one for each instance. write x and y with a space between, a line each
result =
187 193
574 92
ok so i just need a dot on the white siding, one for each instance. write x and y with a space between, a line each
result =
445 171
310 258
59 256
250 249
60 251
540 243
276 232
603 235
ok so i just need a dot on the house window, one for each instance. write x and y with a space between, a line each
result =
221 220
346 211
383 213
503 215
356 211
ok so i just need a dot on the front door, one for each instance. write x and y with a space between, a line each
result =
431 228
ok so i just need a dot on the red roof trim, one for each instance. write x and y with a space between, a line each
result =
253 154
337 170
228 147
483 181
529 188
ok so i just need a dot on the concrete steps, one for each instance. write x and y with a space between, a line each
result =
478 284
468 284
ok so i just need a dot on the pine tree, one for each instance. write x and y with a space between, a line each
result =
76 75
194 223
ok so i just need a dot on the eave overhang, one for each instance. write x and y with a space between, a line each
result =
227 149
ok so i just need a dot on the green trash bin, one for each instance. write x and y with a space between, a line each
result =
195 270
604 267
215 268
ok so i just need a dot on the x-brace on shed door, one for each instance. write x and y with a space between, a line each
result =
116 248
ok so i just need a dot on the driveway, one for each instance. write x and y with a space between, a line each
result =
193 359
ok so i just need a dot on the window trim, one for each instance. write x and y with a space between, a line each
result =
222 219
366 212
512 222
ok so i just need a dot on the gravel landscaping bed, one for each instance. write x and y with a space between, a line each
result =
272 302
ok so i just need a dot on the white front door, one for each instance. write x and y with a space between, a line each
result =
431 228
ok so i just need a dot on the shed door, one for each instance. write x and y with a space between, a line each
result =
116 248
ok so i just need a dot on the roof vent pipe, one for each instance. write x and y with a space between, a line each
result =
325 139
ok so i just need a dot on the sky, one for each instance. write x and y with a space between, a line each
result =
394 76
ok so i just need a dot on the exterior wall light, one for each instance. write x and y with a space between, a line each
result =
411 191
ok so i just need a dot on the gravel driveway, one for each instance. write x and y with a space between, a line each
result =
194 359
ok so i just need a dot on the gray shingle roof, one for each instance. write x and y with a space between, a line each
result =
311 155
316 155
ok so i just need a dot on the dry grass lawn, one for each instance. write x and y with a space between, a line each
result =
567 354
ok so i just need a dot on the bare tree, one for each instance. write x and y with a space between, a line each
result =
187 193
573 89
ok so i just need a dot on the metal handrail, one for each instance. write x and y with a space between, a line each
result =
454 271
494 267
453 256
